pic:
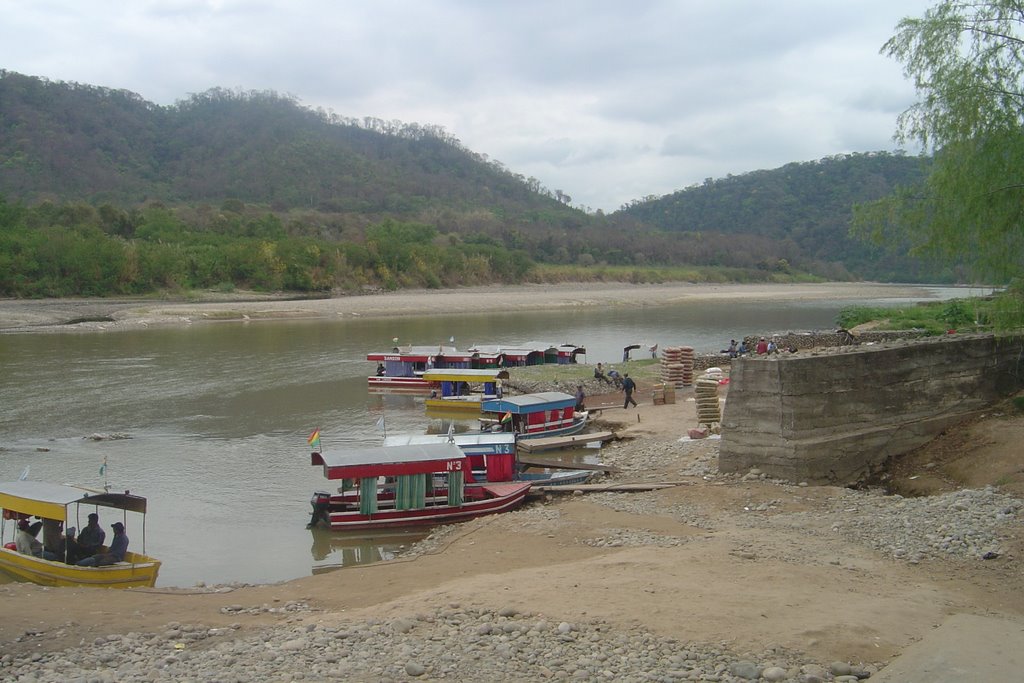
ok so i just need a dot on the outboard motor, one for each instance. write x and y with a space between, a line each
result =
321 502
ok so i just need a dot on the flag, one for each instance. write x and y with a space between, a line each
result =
103 468
506 418
380 423
314 439
24 474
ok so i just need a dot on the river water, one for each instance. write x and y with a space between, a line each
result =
218 415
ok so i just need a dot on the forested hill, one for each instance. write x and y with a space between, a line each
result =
74 141
104 192
807 204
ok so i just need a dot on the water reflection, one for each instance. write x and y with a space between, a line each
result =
335 550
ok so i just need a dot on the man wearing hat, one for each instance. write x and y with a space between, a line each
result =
25 541
90 539
118 547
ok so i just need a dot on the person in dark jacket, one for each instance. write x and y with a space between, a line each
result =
118 547
91 538
628 386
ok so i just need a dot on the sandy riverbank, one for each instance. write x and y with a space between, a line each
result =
47 315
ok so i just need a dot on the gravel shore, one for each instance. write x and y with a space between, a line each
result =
458 641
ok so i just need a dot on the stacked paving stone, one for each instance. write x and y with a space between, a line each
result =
706 394
677 366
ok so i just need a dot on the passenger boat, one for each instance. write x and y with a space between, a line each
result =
544 414
492 457
415 485
461 391
530 353
63 503
402 368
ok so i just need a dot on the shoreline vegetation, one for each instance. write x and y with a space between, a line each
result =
102 314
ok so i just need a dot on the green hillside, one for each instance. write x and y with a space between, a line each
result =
104 192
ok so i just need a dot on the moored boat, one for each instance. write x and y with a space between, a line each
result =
402 368
64 504
544 414
410 485
460 390
493 457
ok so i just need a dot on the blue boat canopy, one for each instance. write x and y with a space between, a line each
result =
528 403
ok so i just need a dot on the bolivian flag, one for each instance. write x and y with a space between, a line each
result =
506 418
314 440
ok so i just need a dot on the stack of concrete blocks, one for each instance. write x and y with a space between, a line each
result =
709 412
677 366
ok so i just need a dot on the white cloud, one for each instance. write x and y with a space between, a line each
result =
605 100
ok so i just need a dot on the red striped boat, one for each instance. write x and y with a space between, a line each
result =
414 485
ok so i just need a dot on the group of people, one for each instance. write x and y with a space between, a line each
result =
763 347
86 549
623 383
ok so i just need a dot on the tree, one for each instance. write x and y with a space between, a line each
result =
966 60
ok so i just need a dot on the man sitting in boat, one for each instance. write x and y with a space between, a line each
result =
90 539
25 541
118 547
67 549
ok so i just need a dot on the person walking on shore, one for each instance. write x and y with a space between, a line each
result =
628 386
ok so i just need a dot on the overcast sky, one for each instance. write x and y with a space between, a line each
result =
605 100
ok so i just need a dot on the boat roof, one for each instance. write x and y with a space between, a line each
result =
357 462
474 439
528 403
460 375
418 354
45 499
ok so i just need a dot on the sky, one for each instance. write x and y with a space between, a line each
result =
605 100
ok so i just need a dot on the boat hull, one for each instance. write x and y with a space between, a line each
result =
575 428
563 478
398 384
137 571
501 498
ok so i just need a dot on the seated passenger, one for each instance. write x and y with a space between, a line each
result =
25 541
118 547
91 538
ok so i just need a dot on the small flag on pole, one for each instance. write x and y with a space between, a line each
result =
314 440
24 473
103 467
380 423
506 418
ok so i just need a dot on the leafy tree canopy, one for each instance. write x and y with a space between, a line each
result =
966 60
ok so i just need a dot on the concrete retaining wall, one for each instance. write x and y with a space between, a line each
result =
834 416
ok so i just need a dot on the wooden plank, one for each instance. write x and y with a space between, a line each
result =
590 488
559 465
551 442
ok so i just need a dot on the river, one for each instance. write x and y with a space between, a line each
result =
218 415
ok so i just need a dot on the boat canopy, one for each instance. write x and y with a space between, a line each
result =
529 403
44 499
461 440
388 461
459 375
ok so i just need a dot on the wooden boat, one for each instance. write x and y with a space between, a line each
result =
493 457
402 368
545 414
414 485
63 503
461 391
